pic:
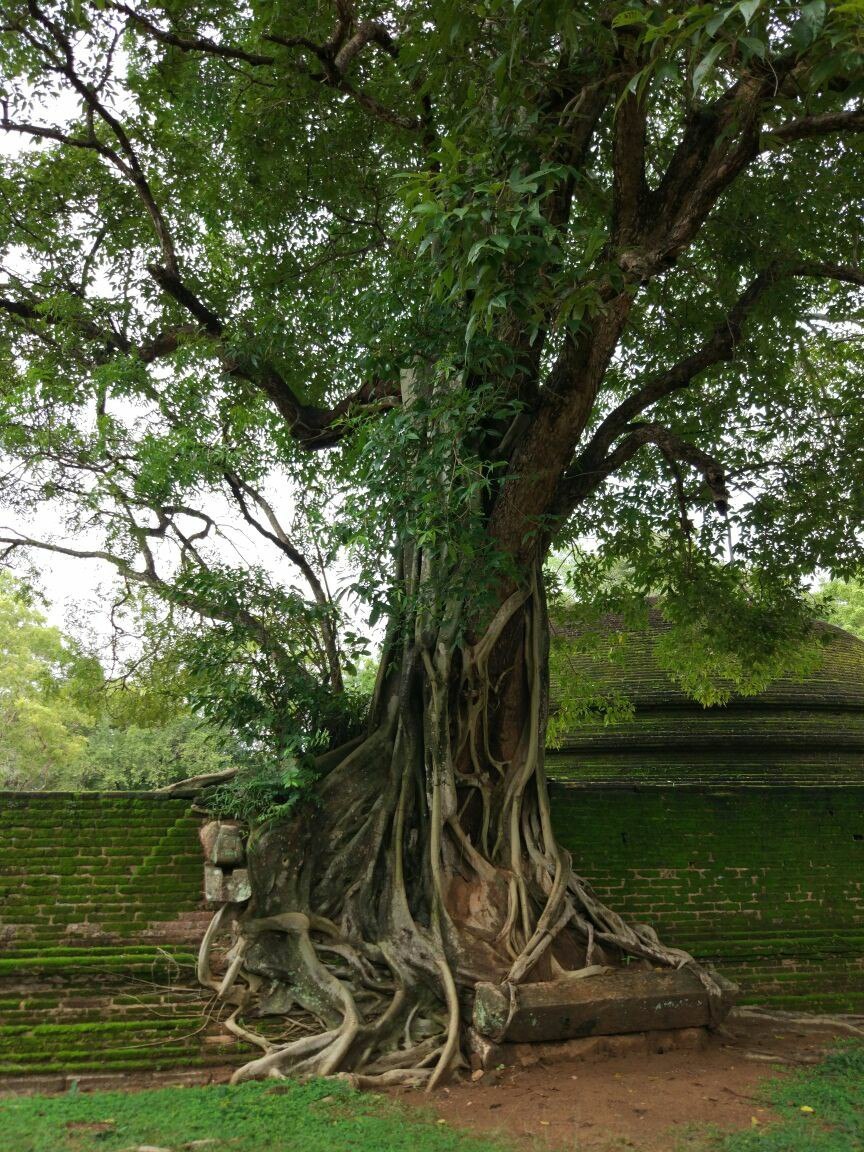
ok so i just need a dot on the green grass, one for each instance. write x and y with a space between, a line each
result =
318 1117
328 1117
834 1090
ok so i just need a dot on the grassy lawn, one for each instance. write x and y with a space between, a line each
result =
820 1110
317 1117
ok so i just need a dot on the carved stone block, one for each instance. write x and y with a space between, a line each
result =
221 887
603 1005
223 843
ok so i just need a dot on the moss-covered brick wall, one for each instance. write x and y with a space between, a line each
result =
113 864
101 909
766 882
100 917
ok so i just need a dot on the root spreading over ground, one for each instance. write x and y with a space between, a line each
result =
428 863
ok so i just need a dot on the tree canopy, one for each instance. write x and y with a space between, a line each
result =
412 293
845 601
626 234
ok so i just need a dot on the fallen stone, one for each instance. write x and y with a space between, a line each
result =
604 1005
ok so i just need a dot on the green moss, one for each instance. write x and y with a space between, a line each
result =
706 869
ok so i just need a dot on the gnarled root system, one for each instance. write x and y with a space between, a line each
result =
428 863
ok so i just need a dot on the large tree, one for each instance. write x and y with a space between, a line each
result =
456 282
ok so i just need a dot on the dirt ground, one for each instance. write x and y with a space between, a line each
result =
648 1103
638 1102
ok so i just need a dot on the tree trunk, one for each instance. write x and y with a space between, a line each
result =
426 864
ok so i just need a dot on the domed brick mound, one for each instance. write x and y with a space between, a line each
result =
798 731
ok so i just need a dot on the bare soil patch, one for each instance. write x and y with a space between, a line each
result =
650 1103
637 1102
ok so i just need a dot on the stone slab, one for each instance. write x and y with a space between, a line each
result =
602 1005
223 843
487 1055
222 887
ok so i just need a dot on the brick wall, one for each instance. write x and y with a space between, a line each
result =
101 909
100 918
768 883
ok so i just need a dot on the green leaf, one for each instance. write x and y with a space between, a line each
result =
630 16
753 46
717 22
749 8
705 66
808 25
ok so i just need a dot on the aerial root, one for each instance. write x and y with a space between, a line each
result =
451 1045
399 1077
274 1061
392 1040
203 969
853 1025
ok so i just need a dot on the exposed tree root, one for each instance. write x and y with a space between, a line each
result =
768 1058
429 863
851 1024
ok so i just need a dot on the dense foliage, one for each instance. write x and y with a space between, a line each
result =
844 604
204 197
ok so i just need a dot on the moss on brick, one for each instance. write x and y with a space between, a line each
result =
713 874
778 905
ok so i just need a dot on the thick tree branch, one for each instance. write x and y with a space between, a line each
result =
172 285
369 32
674 448
630 195
827 124
650 229
313 426
593 465
717 144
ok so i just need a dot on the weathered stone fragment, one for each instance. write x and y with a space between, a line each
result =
238 886
221 887
603 1005
214 884
222 841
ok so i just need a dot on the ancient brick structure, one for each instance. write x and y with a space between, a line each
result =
101 913
737 832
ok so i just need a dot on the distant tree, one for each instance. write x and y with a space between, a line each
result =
136 757
63 726
42 729
467 280
845 604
